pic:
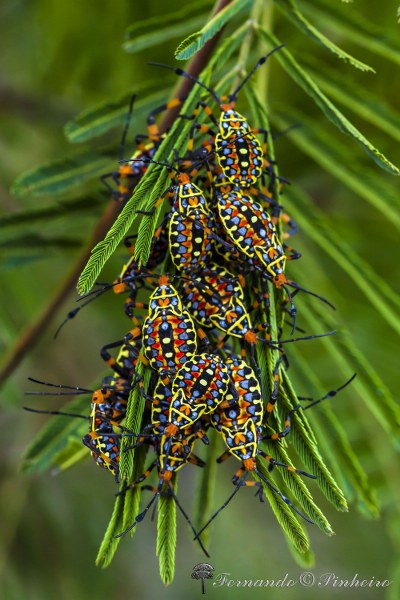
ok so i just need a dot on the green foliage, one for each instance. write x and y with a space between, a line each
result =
356 28
166 536
284 514
334 441
300 77
205 492
336 158
164 27
55 438
62 175
313 222
291 10
97 121
319 437
196 41
368 106
56 210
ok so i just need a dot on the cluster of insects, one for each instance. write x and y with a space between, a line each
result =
199 309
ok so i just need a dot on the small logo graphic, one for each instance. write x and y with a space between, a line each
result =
203 571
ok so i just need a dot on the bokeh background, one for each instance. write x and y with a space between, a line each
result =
58 59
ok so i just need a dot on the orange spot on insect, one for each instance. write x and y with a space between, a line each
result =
250 337
249 464
153 130
163 280
174 102
182 178
280 280
97 397
171 429
125 170
119 288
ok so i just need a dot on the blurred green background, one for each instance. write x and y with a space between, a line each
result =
58 59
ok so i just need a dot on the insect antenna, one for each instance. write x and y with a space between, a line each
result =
329 394
235 491
182 73
78 390
301 289
261 61
286 500
293 311
54 412
300 339
96 294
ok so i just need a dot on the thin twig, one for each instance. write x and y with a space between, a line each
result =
33 333
195 67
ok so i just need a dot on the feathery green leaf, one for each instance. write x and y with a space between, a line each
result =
303 559
196 41
166 535
333 437
316 225
133 495
291 10
310 455
358 29
126 507
110 543
55 436
284 514
98 120
69 456
363 102
368 384
297 486
60 176
205 492
336 158
133 422
164 27
298 75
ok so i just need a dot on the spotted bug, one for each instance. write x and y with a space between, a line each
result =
104 446
248 404
191 223
130 172
240 426
205 294
169 336
171 456
240 154
198 388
